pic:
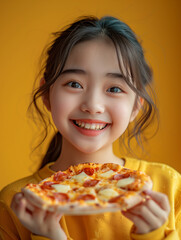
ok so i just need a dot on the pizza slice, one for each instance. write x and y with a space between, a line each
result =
90 188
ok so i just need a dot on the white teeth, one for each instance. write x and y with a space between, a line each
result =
92 126
82 124
87 126
97 126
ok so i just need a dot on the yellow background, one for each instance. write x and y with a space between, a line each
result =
25 29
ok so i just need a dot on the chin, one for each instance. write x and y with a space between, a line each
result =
88 150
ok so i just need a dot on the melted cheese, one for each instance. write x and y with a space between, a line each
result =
92 201
91 191
107 194
61 188
124 182
81 177
107 174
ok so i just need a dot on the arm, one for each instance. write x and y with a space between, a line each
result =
40 223
150 219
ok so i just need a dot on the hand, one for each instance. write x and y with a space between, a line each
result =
36 220
151 214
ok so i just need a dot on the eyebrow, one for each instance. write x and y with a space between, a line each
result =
82 72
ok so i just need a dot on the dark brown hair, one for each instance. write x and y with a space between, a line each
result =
127 46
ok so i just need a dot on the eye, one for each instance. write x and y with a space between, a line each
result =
74 84
115 90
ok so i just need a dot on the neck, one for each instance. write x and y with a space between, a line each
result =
72 156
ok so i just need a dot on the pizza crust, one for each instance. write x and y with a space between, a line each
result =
76 209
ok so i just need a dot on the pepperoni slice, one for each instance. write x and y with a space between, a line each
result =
89 171
47 185
61 197
121 176
86 197
90 183
60 176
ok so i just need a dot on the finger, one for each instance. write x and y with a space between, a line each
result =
18 196
20 210
160 198
157 210
52 220
53 216
144 212
141 226
15 200
29 206
39 215
58 216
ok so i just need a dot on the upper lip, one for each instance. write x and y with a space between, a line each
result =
91 121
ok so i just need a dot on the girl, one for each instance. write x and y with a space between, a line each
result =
94 86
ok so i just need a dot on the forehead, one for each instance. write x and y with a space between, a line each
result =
94 56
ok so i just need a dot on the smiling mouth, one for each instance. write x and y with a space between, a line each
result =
90 126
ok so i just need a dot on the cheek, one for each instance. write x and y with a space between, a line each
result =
121 114
61 106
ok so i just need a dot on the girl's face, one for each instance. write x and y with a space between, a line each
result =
91 104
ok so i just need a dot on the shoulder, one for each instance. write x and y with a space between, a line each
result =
8 192
155 168
165 178
149 166
162 175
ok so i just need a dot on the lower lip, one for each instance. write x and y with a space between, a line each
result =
89 132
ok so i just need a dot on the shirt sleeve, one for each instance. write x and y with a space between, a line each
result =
36 237
159 234
5 236
8 230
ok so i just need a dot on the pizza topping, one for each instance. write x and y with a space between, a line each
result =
81 177
107 193
107 174
90 182
116 199
60 176
86 197
47 185
125 181
61 188
121 176
60 197
89 171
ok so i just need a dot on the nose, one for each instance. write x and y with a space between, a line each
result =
92 104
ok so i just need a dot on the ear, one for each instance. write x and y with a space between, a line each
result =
45 98
137 106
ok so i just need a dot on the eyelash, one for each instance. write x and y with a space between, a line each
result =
73 82
119 91
78 86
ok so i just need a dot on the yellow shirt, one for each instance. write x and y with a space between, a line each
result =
107 226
